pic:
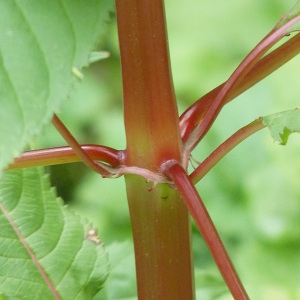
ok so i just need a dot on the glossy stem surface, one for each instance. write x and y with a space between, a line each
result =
159 217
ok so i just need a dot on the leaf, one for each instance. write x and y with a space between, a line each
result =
282 124
209 285
121 283
98 55
44 247
40 43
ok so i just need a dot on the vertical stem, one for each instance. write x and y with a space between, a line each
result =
150 110
160 221
161 233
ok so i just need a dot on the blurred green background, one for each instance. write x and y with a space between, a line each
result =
253 195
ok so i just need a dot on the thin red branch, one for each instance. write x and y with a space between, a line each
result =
197 119
225 148
264 67
197 209
102 169
63 155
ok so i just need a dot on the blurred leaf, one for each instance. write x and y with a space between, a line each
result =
282 124
209 286
43 244
293 13
121 282
40 43
96 56
3 297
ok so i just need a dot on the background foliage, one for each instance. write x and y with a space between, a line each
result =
253 194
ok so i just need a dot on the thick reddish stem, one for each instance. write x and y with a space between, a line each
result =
160 221
197 209
150 109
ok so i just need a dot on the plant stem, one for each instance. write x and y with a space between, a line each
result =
160 221
224 148
197 209
236 77
161 233
150 110
63 155
102 169
264 67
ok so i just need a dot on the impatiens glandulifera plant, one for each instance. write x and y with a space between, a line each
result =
60 256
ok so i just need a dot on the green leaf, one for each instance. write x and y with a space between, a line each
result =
41 42
98 55
282 124
44 248
121 283
209 285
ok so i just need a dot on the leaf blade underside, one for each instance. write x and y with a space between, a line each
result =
40 43
31 216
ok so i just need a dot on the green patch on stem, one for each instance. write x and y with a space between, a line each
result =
46 251
282 124
41 42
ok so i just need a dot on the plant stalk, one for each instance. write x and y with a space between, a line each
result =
207 228
161 233
160 220
225 148
264 67
64 155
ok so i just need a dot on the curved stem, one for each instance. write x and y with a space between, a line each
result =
197 209
224 148
63 155
196 121
237 76
102 169
263 68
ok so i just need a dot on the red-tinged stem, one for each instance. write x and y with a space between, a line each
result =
225 90
197 209
225 148
102 169
150 109
159 218
263 68
63 155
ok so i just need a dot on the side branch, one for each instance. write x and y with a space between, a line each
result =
193 116
63 155
237 76
197 209
225 148
102 169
